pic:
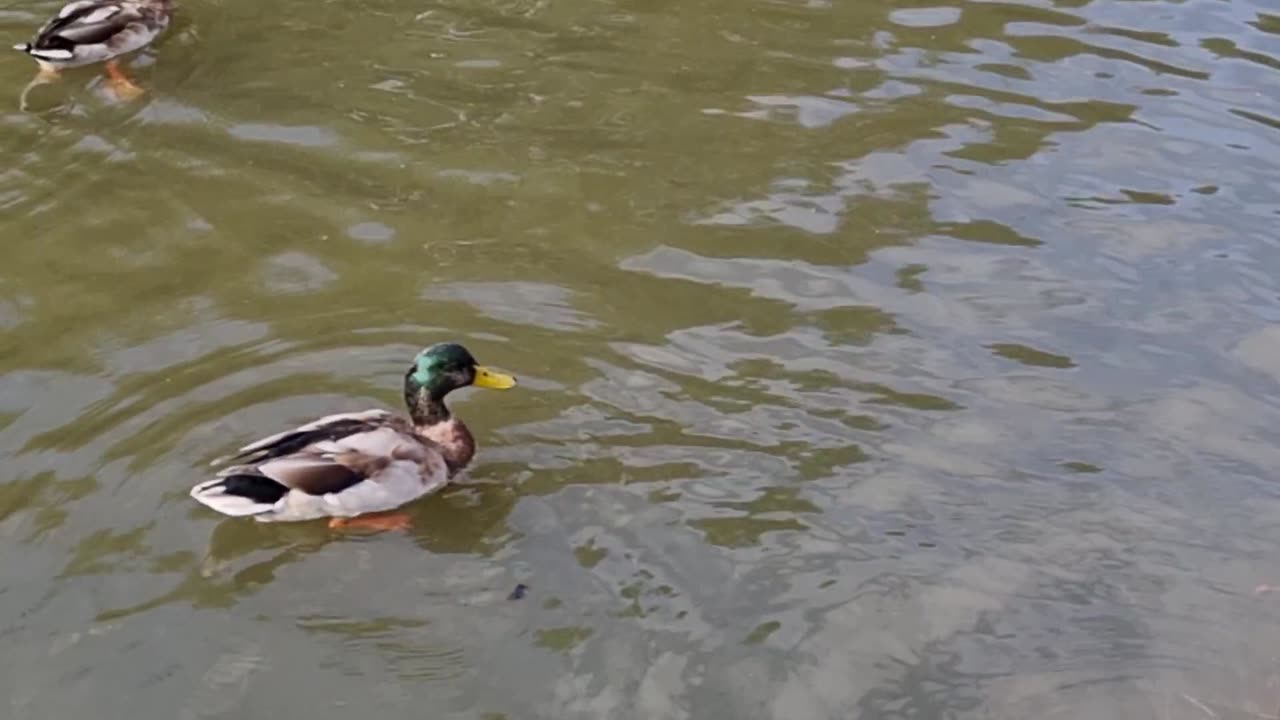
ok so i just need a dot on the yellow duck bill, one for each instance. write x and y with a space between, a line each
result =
492 379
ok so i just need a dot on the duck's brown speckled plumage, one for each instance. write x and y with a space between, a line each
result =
454 440
91 31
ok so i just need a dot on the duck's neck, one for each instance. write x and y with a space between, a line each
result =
433 421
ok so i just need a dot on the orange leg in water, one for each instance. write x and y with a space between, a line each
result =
46 75
120 83
373 521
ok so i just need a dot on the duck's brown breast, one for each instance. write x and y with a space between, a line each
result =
455 441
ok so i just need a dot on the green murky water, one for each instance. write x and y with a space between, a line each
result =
879 360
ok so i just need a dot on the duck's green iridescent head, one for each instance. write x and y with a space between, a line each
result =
445 367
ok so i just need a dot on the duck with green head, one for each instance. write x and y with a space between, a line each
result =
355 467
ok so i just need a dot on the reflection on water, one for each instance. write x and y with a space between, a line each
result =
876 361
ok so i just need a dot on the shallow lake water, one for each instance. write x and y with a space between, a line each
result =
878 360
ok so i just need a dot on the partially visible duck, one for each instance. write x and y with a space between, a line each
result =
92 31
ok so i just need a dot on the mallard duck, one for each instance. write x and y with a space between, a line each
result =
91 31
354 467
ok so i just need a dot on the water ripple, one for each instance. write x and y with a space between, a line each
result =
876 360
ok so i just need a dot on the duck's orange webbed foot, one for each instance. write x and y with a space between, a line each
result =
373 521
46 75
121 86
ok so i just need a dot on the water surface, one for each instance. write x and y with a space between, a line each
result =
879 359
